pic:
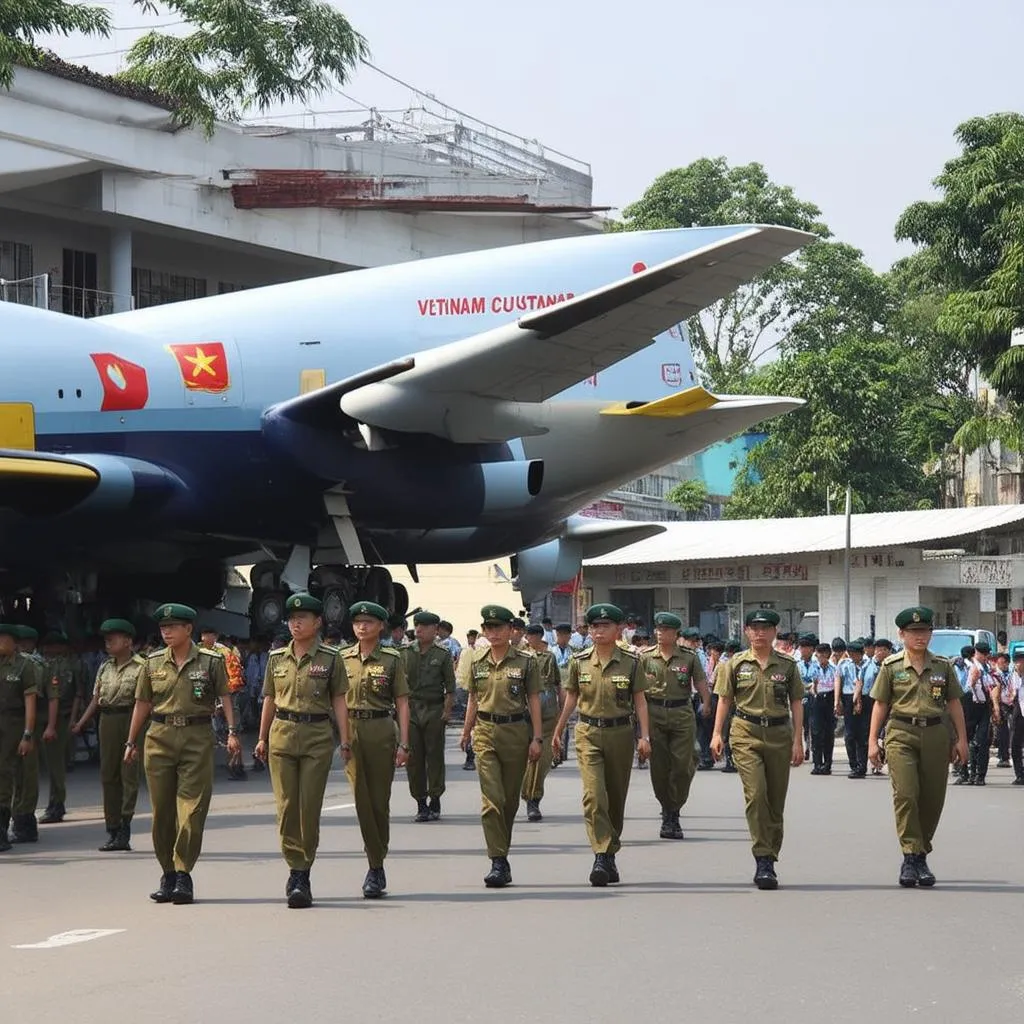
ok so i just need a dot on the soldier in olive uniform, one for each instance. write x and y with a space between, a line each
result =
550 704
430 673
608 685
19 687
303 683
68 679
671 673
377 689
765 687
504 694
919 688
24 828
114 698
178 689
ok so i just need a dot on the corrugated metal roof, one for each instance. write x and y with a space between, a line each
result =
755 538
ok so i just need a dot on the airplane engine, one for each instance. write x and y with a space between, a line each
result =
538 569
508 486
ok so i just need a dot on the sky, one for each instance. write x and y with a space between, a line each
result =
853 105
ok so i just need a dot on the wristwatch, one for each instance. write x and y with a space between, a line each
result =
538 739
26 735
130 744
404 746
232 731
646 739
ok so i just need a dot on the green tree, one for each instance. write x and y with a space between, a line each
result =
736 332
241 55
690 495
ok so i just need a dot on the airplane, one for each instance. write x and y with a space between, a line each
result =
450 409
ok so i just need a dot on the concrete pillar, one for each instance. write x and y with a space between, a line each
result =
121 268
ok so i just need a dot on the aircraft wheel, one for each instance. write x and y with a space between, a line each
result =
379 588
266 612
401 599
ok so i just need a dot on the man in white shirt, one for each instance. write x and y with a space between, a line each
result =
1017 717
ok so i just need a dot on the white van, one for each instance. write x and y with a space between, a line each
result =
948 642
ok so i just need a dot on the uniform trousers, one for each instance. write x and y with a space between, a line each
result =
26 771
501 755
762 755
179 774
120 781
1017 740
823 729
371 771
55 754
855 733
11 729
299 761
426 749
673 763
533 780
918 759
605 758
979 726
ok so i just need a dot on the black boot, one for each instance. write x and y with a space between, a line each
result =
469 764
292 883
422 812
53 814
183 893
25 829
500 874
299 891
434 806
5 824
908 873
165 890
925 878
675 830
764 875
122 839
533 811
111 843
666 825
600 875
372 889
613 869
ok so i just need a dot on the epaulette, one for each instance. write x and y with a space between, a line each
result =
395 652
479 653
137 658
157 654
329 648
441 647
893 658
648 650
583 653
211 652
278 650
788 657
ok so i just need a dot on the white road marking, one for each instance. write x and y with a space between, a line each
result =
337 807
71 938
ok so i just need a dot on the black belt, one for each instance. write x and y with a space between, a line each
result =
831 694
364 714
294 716
660 702
486 716
118 709
761 719
924 723
606 723
181 721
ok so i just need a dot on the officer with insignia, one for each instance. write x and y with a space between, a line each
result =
19 687
672 673
68 680
24 828
915 689
304 682
550 704
177 692
764 688
113 698
377 689
608 685
430 672
504 694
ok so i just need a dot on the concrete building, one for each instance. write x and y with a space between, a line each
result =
967 564
106 205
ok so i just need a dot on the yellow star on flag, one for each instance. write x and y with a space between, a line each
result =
201 363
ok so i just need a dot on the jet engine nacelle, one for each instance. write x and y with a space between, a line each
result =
539 569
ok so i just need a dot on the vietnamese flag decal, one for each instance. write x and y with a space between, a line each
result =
203 367
125 386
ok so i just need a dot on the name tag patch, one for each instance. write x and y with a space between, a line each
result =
778 677
621 682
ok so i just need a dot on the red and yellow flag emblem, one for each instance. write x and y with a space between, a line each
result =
203 366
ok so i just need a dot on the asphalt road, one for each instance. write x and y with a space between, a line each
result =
684 935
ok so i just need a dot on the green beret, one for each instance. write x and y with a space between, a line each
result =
918 617
807 640
55 636
882 642
762 616
174 613
983 647
375 611
303 603
535 629
669 620
823 649
691 633
426 619
518 623
9 629
838 643
603 613
563 627
495 614
856 646
117 626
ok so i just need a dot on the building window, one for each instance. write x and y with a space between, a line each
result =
15 261
157 287
225 287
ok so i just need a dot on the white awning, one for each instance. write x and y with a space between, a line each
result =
755 538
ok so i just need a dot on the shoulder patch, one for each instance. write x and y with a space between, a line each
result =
211 652
441 647
329 648
347 652
278 650
893 658
477 655
785 656
585 653
156 654
395 652
940 659
649 650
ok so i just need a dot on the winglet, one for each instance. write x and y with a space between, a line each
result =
684 403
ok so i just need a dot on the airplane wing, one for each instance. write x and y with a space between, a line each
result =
545 352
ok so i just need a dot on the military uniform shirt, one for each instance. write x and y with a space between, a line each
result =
919 696
306 685
18 679
550 682
431 674
671 678
190 690
68 676
116 685
503 688
605 691
761 691
376 680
